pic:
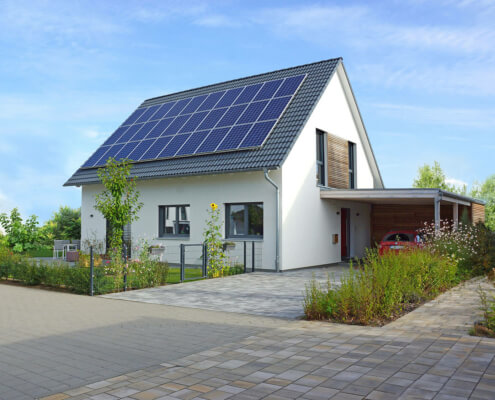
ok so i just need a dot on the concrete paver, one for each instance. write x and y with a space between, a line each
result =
77 347
317 360
258 293
53 342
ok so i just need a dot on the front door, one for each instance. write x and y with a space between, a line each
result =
344 233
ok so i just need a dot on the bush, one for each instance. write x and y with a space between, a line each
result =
382 287
472 246
40 251
20 268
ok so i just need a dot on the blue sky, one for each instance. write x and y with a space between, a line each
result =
72 71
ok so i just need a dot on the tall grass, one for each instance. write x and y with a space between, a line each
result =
381 287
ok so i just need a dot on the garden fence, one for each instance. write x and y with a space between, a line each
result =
188 261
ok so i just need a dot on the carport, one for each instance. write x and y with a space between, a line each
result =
408 208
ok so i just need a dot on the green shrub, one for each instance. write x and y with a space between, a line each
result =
381 287
472 246
20 268
40 251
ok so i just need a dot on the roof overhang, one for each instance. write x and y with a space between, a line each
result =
397 196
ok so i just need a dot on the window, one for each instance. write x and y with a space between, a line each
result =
244 220
400 237
174 221
320 158
352 165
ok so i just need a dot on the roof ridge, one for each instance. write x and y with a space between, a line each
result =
241 79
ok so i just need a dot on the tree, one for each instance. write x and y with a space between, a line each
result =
65 224
434 177
119 202
21 236
486 192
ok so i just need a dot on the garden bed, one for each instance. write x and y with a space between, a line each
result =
383 288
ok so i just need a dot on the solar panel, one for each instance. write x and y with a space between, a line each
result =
156 148
116 135
236 119
234 137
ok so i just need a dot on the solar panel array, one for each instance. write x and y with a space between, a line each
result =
227 120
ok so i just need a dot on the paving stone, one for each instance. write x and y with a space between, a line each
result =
311 360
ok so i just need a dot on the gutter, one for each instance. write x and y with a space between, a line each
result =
277 216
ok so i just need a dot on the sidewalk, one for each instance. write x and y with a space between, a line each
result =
426 354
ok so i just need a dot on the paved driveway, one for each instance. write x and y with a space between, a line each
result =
260 293
52 341
426 356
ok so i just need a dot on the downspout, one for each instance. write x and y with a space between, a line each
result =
277 224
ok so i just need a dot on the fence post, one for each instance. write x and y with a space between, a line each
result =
205 261
91 271
182 262
125 266
252 257
245 257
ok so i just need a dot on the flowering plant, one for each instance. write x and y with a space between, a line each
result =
216 258
459 244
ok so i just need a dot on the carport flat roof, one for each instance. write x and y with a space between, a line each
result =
397 196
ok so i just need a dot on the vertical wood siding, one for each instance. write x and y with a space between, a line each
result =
338 162
387 217
477 213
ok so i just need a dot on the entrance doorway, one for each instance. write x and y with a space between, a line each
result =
345 241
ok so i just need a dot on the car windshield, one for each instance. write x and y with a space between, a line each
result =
399 237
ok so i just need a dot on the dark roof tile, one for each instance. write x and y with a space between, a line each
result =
270 155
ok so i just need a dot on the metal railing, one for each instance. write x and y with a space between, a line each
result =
189 261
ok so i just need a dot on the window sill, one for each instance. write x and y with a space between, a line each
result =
172 238
243 239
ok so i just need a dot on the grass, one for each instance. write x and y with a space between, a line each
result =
382 288
41 252
191 274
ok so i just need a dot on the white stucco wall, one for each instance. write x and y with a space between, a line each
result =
308 221
198 192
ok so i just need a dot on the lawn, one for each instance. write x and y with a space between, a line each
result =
41 252
191 274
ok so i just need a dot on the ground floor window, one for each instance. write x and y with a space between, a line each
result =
174 220
244 220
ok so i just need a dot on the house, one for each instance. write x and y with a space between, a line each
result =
286 156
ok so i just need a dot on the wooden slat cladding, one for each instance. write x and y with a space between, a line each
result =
477 213
338 162
387 217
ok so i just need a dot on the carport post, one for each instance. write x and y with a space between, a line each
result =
455 208
437 213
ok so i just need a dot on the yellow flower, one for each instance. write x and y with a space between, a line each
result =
213 206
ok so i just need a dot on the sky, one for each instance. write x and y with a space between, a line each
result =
423 74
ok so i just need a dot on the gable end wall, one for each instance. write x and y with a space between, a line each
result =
309 222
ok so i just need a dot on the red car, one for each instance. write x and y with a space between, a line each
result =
399 240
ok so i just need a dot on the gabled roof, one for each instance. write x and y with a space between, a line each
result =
271 155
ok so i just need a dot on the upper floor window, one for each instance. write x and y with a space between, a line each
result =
244 220
320 158
174 220
352 165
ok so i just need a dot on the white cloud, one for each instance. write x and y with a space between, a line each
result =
456 182
92 133
436 57
218 21
481 118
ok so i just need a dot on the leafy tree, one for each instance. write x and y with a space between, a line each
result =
486 192
119 202
434 177
21 236
64 224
